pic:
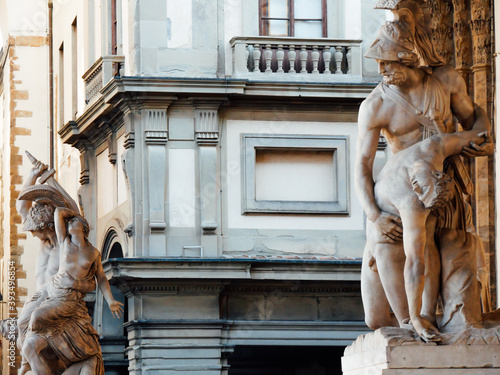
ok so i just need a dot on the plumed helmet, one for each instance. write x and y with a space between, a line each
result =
393 41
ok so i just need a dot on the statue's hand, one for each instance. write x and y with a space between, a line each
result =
389 226
116 309
484 149
426 330
64 281
38 169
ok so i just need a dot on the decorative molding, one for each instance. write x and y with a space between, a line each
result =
207 125
156 132
85 168
129 140
442 27
112 156
480 25
462 37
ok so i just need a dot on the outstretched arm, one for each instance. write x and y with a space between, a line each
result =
455 143
368 137
102 281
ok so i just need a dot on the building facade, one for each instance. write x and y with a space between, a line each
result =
211 144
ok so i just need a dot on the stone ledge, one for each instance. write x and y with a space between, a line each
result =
384 352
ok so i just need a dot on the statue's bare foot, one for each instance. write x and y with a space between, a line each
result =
24 369
426 330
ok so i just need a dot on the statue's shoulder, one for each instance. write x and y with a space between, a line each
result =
375 98
447 76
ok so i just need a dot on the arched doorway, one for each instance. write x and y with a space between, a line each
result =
113 338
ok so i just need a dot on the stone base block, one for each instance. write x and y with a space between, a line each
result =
394 351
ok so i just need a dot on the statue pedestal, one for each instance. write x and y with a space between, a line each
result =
385 352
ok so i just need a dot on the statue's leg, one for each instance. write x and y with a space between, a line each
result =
32 348
390 264
375 303
432 272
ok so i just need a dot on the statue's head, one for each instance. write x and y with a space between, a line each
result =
78 223
433 188
40 219
411 14
393 50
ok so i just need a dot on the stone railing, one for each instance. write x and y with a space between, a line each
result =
100 73
258 57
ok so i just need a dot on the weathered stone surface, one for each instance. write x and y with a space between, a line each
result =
395 351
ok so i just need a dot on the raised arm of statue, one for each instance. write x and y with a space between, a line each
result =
59 223
23 206
368 137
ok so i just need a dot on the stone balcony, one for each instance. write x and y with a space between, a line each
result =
100 73
295 59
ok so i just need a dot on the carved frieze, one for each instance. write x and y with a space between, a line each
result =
441 12
463 42
480 25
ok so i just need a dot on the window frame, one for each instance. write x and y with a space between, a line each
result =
338 144
291 19
114 28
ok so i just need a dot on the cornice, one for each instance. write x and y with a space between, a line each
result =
134 93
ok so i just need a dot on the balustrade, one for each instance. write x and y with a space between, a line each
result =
100 73
258 57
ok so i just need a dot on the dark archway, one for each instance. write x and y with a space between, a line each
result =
113 338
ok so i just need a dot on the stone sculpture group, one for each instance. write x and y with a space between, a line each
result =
55 332
419 226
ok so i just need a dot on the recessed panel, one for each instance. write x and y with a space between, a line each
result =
294 175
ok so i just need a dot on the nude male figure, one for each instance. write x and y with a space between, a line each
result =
437 97
48 255
410 186
79 260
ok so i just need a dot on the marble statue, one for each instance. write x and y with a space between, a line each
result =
419 99
61 322
55 334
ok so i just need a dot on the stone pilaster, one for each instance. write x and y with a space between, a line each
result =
155 198
207 137
483 200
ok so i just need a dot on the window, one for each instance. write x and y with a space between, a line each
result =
299 18
315 165
114 27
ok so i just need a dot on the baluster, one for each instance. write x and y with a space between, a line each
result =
292 55
280 55
338 60
315 59
327 57
268 54
303 59
256 58
247 56
349 60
